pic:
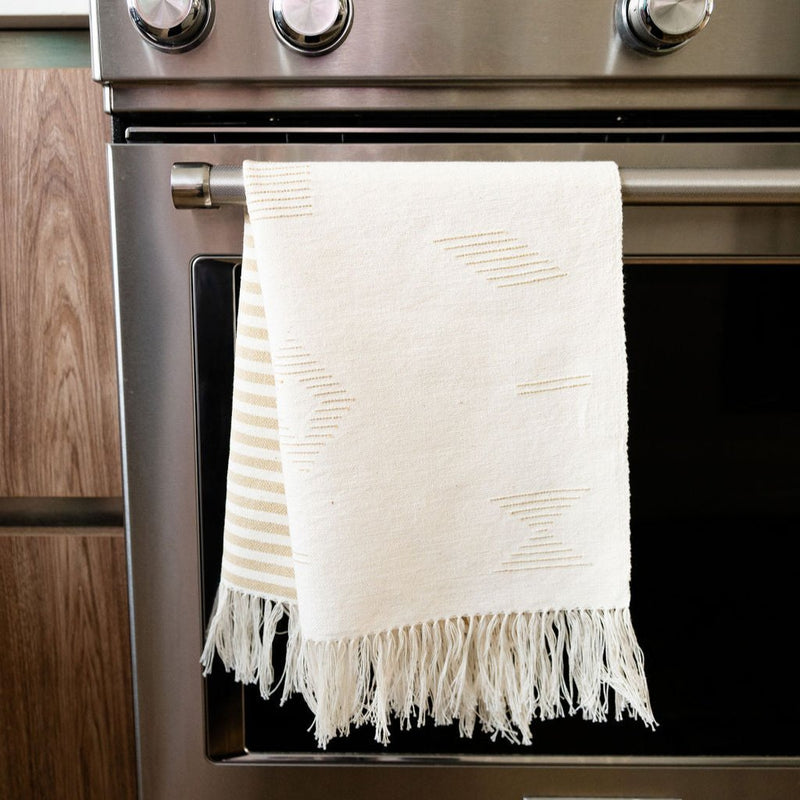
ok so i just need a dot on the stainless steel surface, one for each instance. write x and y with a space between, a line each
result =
661 26
191 186
152 282
173 26
312 27
550 96
207 186
509 44
225 184
677 17
689 187
135 132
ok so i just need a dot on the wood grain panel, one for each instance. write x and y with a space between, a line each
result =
58 416
66 727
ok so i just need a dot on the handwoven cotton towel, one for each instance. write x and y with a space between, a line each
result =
428 467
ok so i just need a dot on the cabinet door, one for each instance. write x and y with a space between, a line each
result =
66 710
58 416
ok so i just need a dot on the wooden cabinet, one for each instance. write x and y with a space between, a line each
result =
66 725
59 434
66 710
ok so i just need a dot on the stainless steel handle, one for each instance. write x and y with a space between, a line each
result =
200 185
710 187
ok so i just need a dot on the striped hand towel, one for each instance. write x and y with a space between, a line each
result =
428 470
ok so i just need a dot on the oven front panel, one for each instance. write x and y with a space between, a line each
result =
507 40
507 54
712 442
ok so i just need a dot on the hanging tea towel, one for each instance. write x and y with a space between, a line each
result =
428 470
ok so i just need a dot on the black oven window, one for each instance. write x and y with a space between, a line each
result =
715 460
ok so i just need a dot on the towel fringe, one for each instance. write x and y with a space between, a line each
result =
242 631
499 671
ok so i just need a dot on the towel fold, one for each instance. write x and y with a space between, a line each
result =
428 472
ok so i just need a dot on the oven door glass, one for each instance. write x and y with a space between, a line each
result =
714 460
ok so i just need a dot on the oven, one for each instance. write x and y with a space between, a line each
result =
698 105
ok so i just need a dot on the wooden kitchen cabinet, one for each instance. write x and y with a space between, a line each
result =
59 430
66 702
66 719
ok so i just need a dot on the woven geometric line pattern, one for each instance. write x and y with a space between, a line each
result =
540 512
332 401
500 258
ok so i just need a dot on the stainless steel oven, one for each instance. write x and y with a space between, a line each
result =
699 107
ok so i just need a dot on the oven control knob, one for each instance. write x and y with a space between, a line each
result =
172 25
661 26
311 27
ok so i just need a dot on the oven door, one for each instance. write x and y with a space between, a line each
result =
715 458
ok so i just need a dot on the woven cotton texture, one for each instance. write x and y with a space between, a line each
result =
446 521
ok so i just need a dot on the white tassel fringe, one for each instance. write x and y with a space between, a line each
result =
500 671
242 630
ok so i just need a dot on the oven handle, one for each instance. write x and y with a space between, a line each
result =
200 185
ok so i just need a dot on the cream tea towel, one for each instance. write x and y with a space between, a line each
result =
428 473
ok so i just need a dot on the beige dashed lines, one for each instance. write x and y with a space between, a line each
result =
540 512
332 402
484 242
509 260
527 254
467 237
504 270
289 193
553 384
474 253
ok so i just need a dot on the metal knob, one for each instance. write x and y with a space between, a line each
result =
661 26
172 25
311 27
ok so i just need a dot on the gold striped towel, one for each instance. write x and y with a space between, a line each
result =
257 585
428 471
